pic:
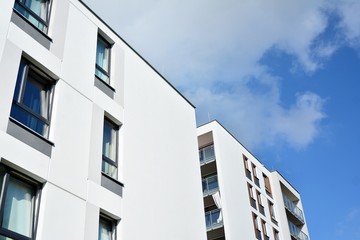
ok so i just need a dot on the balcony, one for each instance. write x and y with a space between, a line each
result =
210 185
296 232
291 207
207 154
213 219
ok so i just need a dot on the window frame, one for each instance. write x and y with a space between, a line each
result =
272 212
35 202
251 196
100 68
112 162
256 226
246 167
267 185
111 222
30 73
46 22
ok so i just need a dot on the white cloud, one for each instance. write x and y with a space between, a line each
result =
350 21
211 50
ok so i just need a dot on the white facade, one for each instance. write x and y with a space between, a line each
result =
242 198
154 193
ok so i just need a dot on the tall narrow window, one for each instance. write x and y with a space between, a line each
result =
267 185
256 226
18 205
35 11
276 234
109 149
254 171
106 229
265 231
260 203
102 67
32 99
246 166
251 196
272 212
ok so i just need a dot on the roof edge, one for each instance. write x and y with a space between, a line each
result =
142 58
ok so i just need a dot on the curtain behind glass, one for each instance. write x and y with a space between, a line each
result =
102 59
40 8
109 141
104 231
17 215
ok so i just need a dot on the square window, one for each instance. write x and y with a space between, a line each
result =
19 203
107 229
32 99
109 149
37 12
102 67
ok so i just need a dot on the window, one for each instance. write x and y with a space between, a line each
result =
109 149
251 196
272 212
32 99
256 226
102 67
260 204
35 11
276 234
264 228
246 166
267 185
107 229
254 171
19 205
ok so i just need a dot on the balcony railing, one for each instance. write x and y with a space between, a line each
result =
296 232
294 209
213 219
207 154
210 185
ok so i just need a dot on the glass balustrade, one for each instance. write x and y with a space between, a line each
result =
294 209
296 232
213 219
206 154
210 185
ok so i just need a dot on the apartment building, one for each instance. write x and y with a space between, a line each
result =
94 142
242 198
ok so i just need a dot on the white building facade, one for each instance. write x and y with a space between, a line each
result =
242 198
94 143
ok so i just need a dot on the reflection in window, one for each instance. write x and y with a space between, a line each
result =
106 229
102 68
109 149
18 204
35 11
32 99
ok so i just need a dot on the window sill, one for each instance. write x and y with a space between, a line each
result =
30 137
111 184
104 87
18 19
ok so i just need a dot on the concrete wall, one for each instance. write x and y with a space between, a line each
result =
157 152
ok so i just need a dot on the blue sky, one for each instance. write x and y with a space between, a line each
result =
282 76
